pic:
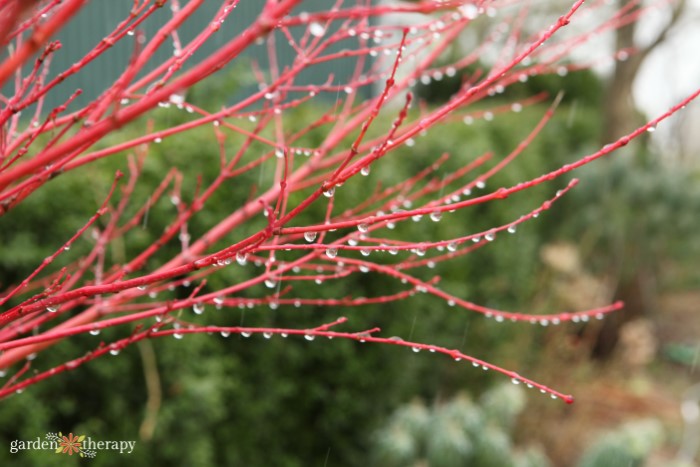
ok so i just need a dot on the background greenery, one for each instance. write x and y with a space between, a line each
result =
236 401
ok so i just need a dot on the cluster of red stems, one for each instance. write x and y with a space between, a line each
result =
50 306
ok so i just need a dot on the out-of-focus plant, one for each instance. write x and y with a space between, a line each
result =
458 432
270 168
629 444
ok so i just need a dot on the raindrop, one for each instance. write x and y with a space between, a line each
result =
435 216
309 337
310 236
365 170
95 332
363 227
246 334
241 258
416 218
511 229
114 351
651 129
66 247
270 283
415 349
51 309
316 29
267 335
515 381
491 236
225 333
329 192
198 308
331 252
365 252
452 246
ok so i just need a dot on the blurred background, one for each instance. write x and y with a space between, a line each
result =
628 232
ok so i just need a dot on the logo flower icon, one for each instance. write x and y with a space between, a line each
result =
70 444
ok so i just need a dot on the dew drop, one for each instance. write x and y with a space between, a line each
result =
365 170
329 192
267 335
114 351
241 258
452 246
363 227
270 283
225 333
435 216
51 309
491 236
511 229
198 308
309 337
94 332
365 252
310 236
415 349
331 252
651 129
246 334
515 381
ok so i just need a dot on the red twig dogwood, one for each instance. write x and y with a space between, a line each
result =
390 57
